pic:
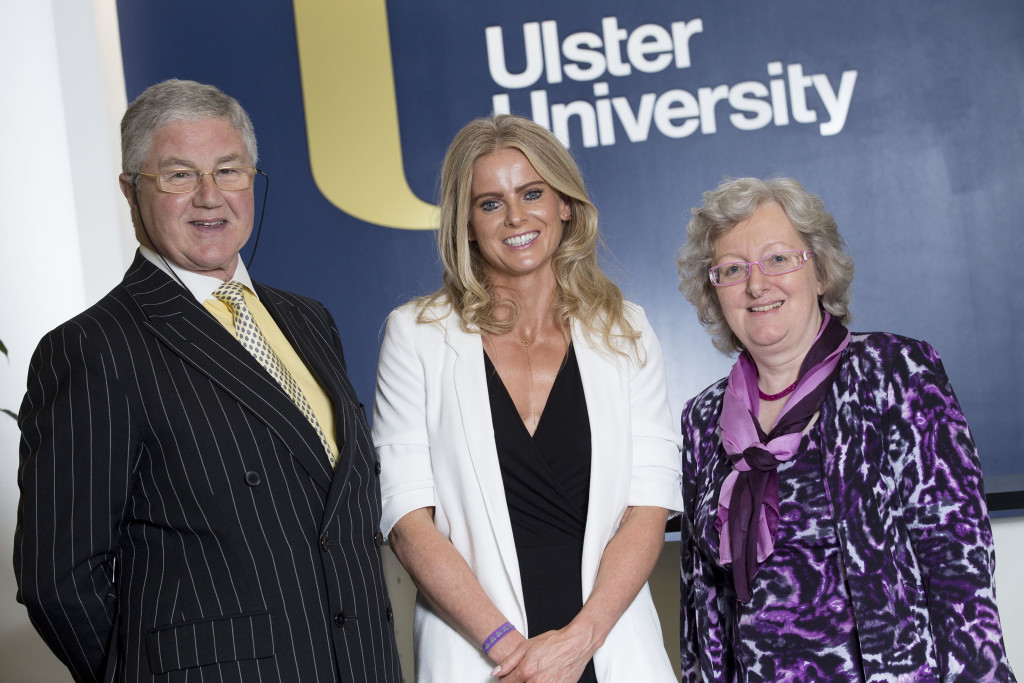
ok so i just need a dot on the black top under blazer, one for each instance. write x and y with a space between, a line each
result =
179 520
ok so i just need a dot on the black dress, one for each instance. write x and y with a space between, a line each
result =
547 487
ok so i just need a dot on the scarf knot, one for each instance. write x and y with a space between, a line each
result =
754 457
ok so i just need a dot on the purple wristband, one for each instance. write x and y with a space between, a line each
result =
498 634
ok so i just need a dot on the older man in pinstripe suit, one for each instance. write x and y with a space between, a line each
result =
184 515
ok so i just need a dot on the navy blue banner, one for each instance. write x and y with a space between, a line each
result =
905 120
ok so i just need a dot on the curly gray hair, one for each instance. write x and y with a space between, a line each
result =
735 200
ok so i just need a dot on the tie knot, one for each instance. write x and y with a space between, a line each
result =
230 292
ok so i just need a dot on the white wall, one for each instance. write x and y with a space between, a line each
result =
64 236
65 239
1009 535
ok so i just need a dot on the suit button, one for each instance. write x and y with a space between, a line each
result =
378 539
323 542
252 478
340 618
376 468
389 615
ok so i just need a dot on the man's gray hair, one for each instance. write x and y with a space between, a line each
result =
177 100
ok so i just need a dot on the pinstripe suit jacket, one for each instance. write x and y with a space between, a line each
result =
179 520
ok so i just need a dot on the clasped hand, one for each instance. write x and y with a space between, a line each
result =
551 657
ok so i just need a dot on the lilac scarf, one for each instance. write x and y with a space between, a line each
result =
748 502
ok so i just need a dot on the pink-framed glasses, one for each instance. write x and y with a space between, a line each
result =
779 263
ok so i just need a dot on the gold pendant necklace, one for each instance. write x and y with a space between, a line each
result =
529 366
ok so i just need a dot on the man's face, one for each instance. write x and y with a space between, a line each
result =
201 231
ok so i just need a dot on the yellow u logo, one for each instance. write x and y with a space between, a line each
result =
348 92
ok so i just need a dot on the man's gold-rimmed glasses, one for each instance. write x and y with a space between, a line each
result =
184 180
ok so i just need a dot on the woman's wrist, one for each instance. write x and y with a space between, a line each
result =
587 631
496 635
506 646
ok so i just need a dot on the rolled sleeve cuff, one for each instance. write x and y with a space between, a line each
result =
656 479
407 483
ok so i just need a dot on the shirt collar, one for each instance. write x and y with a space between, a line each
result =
199 285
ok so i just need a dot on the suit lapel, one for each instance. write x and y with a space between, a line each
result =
190 332
328 372
475 408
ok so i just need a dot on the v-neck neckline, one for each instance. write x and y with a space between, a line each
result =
489 367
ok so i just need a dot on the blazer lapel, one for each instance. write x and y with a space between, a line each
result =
854 486
606 387
189 331
329 373
475 408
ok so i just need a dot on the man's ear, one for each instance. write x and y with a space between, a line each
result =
128 190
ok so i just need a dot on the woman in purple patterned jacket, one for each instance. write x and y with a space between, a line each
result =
835 526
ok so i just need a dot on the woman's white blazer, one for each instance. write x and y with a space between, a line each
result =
433 433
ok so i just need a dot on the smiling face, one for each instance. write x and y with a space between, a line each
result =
200 231
773 316
515 218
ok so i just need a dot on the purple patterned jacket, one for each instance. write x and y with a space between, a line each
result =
904 479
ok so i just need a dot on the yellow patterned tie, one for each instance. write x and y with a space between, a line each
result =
256 344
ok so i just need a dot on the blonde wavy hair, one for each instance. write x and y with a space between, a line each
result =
735 200
584 292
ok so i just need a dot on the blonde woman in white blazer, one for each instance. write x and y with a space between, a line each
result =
534 317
